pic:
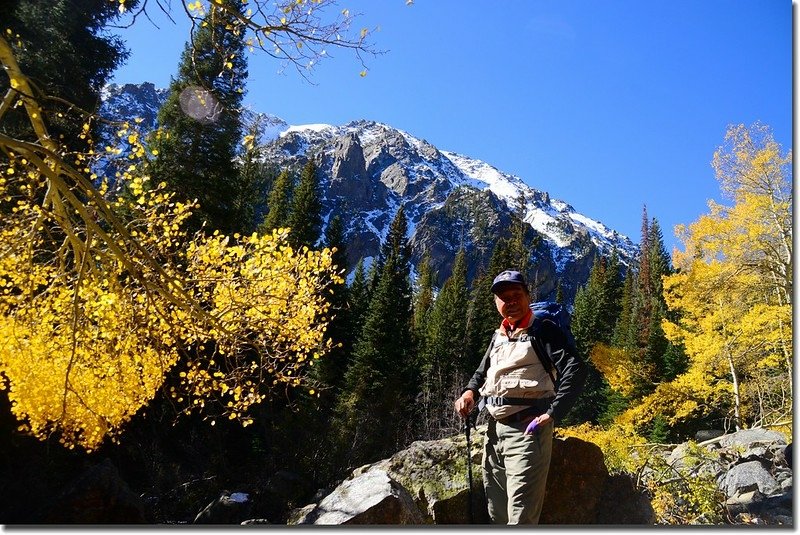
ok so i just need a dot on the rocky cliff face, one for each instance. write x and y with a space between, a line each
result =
368 170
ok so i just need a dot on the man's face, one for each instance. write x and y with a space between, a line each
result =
512 302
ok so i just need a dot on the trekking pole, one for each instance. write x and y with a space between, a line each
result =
467 422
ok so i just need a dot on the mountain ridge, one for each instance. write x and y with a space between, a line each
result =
369 169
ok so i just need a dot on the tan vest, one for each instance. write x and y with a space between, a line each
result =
515 371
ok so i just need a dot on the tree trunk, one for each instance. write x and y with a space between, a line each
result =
736 394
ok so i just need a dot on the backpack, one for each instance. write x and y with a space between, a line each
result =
555 312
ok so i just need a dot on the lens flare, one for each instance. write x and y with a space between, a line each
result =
200 104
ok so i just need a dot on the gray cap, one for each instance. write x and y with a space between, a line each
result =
508 276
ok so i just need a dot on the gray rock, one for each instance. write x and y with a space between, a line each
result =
435 475
349 178
370 498
742 502
707 434
747 477
750 438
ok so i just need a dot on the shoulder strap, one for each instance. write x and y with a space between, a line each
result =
538 348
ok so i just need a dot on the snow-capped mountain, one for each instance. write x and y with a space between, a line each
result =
368 170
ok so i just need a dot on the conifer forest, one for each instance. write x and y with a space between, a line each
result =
192 315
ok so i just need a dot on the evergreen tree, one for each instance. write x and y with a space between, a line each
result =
518 243
335 241
595 312
305 218
330 370
482 318
642 311
660 262
278 203
671 358
448 322
559 293
443 366
358 298
255 180
622 328
201 124
423 303
50 40
381 380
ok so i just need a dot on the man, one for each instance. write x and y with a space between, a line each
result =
524 401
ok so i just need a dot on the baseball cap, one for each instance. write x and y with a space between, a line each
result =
508 276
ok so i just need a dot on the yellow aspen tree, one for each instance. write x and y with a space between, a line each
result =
101 296
733 286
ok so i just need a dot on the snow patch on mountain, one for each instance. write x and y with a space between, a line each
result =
550 217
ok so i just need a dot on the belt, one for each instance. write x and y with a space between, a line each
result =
536 407
496 401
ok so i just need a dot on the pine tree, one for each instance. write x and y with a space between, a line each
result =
622 329
381 380
305 218
255 179
660 262
278 203
448 322
559 293
595 312
518 243
642 311
201 123
670 358
443 366
423 303
358 298
482 318
54 38
330 370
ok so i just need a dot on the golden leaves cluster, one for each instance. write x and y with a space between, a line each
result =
82 347
102 293
270 314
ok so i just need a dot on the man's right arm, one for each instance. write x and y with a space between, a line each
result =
470 394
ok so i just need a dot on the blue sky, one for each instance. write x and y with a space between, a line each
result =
608 106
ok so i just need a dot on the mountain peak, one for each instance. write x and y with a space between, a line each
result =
369 169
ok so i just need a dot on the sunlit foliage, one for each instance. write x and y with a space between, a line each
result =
100 295
682 490
732 295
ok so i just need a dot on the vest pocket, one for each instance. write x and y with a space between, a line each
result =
514 383
528 383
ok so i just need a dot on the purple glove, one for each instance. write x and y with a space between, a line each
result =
531 426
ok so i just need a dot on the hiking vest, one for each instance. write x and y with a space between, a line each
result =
515 371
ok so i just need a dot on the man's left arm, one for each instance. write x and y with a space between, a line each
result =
572 370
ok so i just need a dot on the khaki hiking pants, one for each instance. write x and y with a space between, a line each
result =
515 469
